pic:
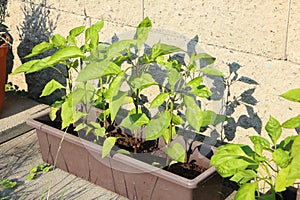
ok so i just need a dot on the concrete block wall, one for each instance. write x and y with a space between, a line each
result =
261 36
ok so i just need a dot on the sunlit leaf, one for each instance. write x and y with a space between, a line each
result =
64 54
260 143
108 145
141 82
58 40
159 100
212 118
50 87
281 157
92 34
244 176
173 78
97 69
116 48
159 49
40 48
193 113
80 127
134 120
116 102
168 135
211 71
142 31
203 56
156 127
282 182
292 123
274 129
246 191
176 152
292 95
52 113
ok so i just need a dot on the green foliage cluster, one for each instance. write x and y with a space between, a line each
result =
127 62
248 167
45 167
8 184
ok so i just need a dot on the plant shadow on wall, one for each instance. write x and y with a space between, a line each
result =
38 26
9 56
232 102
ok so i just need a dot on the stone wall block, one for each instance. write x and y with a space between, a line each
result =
125 12
293 44
253 26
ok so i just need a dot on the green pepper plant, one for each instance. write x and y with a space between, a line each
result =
122 69
272 162
127 62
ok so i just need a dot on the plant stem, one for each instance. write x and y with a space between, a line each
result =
171 121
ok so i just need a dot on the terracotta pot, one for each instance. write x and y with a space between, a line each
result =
3 52
123 174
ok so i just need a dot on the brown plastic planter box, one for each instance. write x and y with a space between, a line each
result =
122 174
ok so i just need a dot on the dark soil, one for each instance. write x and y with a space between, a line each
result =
129 143
188 170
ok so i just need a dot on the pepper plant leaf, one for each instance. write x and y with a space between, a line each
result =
40 48
274 129
295 164
260 144
193 113
283 180
212 118
52 113
108 145
232 158
67 112
141 82
115 85
244 176
203 56
286 143
65 54
134 120
292 123
98 69
76 31
168 135
80 127
116 102
142 31
160 49
292 95
296 146
211 71
58 41
156 127
173 78
281 157
25 67
116 48
91 34
51 87
159 100
246 191
176 152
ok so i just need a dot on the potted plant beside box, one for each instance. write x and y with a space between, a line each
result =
5 41
273 165
122 121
